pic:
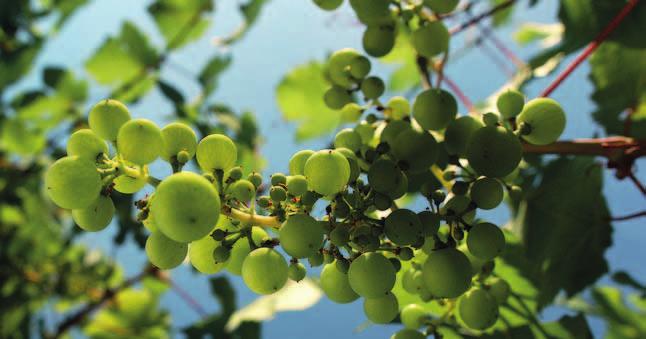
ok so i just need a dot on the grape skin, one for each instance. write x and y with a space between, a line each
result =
241 249
407 334
73 183
300 236
384 176
327 172
478 309
458 132
494 151
434 109
418 150
431 40
371 11
328 5
178 137
95 217
510 103
412 316
86 144
447 273
298 160
336 285
499 289
372 87
337 65
485 241
371 275
336 97
403 227
442 6
200 254
546 119
487 193
216 152
264 271
381 310
348 138
243 190
107 117
140 141
379 40
163 252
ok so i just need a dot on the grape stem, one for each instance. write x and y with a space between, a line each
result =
252 219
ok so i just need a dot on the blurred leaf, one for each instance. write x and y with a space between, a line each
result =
171 93
210 73
66 8
503 16
300 99
251 9
623 321
619 77
181 21
548 34
406 76
16 63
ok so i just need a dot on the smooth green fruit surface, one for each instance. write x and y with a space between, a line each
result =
327 172
73 183
546 120
447 273
412 316
485 241
336 285
200 253
371 275
510 103
107 117
95 217
216 152
178 137
458 132
494 151
487 193
264 271
86 144
301 236
478 309
381 310
431 39
164 252
140 141
434 109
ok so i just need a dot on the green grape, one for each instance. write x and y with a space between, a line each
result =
278 179
476 263
163 252
278 194
384 176
340 235
381 310
241 249
392 130
372 87
366 131
447 273
133 305
301 236
371 275
459 204
297 162
328 5
355 171
371 11
129 185
408 334
458 132
86 144
140 141
255 179
327 172
431 40
186 207
296 185
434 109
349 139
408 282
338 65
360 67
405 254
200 254
379 40
336 286
510 103
485 241
487 193
95 217
442 6
233 174
546 121
107 117
221 254
399 107
351 112
337 97
243 190
264 271
149 224
418 150
178 137
413 316
402 187
216 152
73 183
499 289
403 227
430 222
494 151
382 201
316 260
478 309
296 272
490 119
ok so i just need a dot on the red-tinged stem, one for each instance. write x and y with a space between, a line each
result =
461 27
629 216
637 183
591 47
195 306
611 147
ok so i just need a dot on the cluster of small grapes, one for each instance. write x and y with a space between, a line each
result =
429 37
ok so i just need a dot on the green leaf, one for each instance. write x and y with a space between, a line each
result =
565 229
406 76
531 32
66 8
300 99
619 77
623 321
251 10
210 73
503 16
17 62
181 21
171 93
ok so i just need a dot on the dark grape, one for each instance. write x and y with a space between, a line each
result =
403 227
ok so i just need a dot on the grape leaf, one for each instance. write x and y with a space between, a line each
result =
619 77
209 75
300 98
406 76
181 21
623 321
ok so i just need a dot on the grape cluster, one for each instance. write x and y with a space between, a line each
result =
263 230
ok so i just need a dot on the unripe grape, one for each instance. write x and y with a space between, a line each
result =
546 120
242 190
336 286
86 144
366 131
264 201
371 11
371 275
490 119
221 254
278 193
241 249
486 241
379 40
300 236
447 273
458 132
382 201
255 179
186 207
510 103
216 152
402 187
140 141
264 271
392 130
381 310
200 254
328 5
106 117
384 176
349 139
178 137
494 151
413 316
95 217
431 39
499 289
360 67
338 66
297 162
399 107
459 205
418 150
442 6
316 259
406 253
372 87
340 235
403 227
351 112
355 170
310 198
430 222
73 183
408 334
478 309
407 281
163 252
327 172
234 173
296 272
297 185
459 188
487 193
336 97
434 109
397 265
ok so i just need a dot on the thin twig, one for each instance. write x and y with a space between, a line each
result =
461 27
194 305
629 216
637 183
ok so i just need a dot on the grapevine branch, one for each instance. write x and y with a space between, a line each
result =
629 216
476 19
